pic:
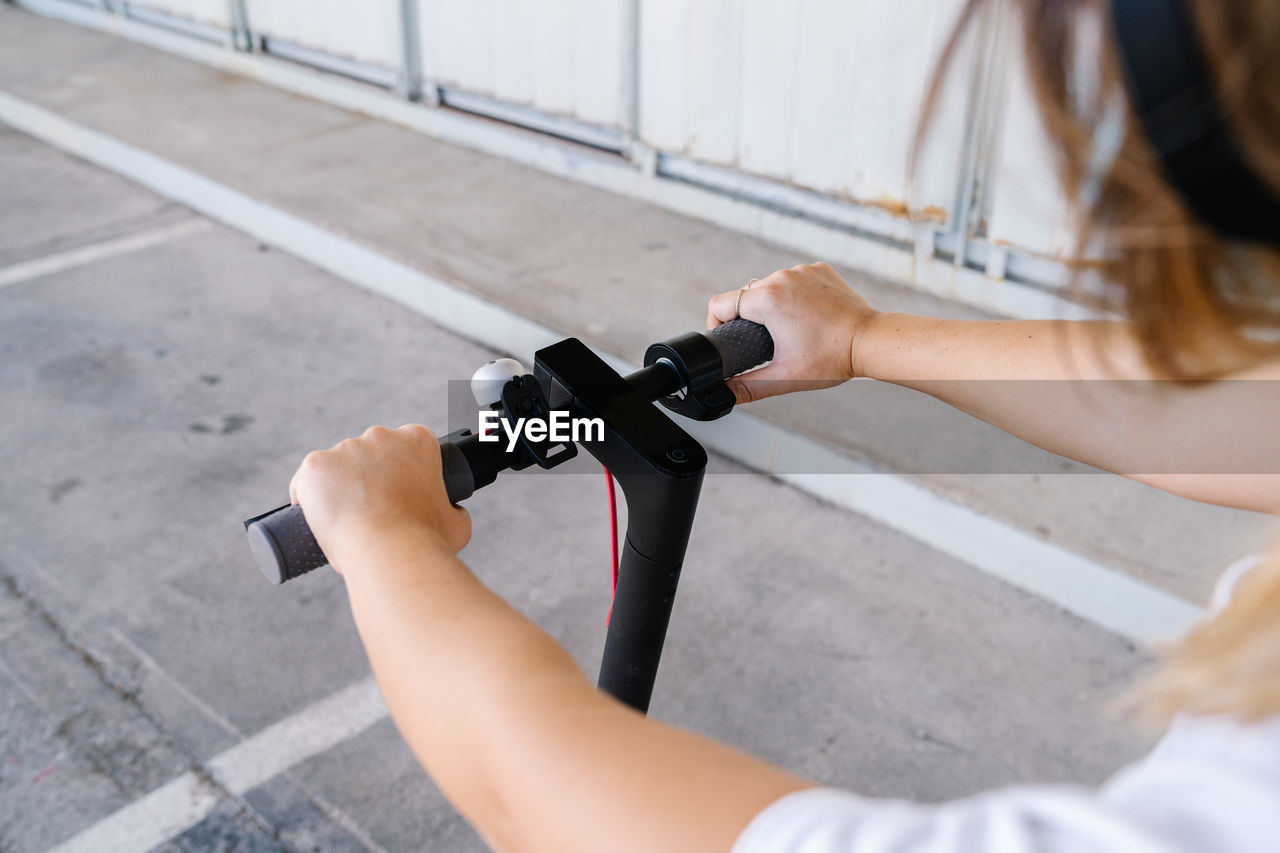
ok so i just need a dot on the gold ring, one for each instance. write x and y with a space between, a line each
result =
741 290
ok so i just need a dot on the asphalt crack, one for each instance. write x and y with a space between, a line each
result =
103 763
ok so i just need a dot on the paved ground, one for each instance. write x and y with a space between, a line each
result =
156 397
611 270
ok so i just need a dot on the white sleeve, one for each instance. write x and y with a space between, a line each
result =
1018 820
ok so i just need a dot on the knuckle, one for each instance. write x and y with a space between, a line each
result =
419 432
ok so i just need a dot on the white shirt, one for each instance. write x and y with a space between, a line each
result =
1210 786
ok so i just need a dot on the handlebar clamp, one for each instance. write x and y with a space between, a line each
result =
522 397
703 395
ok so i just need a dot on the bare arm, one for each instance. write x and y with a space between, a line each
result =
1206 443
497 712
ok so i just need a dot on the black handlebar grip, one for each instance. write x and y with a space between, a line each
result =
282 543
742 345
459 479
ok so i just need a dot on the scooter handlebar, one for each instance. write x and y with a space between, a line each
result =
282 542
284 547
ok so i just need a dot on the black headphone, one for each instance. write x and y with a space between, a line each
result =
1175 101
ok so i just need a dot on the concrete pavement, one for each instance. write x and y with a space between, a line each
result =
156 397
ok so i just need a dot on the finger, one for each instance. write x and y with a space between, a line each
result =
463 527
428 445
293 481
753 386
420 437
744 391
721 308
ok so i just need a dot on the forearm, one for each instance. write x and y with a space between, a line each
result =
518 739
912 350
1011 374
1008 373
449 655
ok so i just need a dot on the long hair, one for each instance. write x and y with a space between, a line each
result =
1200 306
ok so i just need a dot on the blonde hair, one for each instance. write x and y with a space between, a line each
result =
1200 306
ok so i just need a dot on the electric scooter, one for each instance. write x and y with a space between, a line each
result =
658 465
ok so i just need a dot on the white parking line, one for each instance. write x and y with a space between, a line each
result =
180 804
72 258
1090 590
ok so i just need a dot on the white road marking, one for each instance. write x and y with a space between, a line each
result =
73 258
1086 588
148 822
334 813
1090 590
180 804
294 739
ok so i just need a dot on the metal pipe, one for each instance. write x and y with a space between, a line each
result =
977 134
409 84
241 37
556 125
629 81
353 68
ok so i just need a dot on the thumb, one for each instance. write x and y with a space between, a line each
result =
756 385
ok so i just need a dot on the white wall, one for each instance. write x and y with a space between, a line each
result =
821 94
1024 206
560 56
363 30
213 12
818 94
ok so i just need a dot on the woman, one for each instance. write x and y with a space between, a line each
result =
537 759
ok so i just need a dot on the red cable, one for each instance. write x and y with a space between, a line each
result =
613 539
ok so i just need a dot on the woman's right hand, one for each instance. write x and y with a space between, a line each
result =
378 486
816 320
